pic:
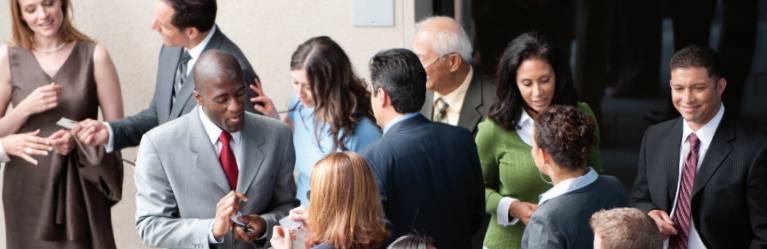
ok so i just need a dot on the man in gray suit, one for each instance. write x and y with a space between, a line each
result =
195 173
457 93
188 29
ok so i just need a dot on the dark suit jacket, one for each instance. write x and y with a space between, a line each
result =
729 194
479 97
563 222
430 180
128 131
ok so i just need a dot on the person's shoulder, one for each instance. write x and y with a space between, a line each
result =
171 128
100 53
610 181
323 246
748 135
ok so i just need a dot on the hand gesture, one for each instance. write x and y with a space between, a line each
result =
21 144
522 210
255 221
41 99
226 208
268 108
91 132
62 141
664 222
301 213
282 238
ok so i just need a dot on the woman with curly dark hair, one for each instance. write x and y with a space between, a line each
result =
561 140
532 75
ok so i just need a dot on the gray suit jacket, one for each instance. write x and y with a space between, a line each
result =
479 97
128 131
180 181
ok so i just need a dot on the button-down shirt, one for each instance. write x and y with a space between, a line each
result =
399 119
454 100
194 53
525 133
705 135
569 185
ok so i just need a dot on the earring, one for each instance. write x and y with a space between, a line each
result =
544 179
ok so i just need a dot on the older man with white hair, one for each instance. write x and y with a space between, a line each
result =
457 94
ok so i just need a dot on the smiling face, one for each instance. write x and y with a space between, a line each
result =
302 88
44 17
171 35
223 100
695 95
536 82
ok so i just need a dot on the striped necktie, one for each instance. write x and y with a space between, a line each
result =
180 74
682 220
441 110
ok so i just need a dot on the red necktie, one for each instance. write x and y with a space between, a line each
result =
227 159
682 212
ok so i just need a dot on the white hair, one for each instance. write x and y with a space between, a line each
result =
449 40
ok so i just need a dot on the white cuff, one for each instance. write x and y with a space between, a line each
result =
3 157
214 240
502 213
110 146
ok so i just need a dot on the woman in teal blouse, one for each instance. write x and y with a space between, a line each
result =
532 75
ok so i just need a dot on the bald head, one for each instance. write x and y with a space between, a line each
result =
216 65
444 36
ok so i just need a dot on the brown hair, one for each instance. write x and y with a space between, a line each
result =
340 96
22 34
566 134
626 228
345 210
700 57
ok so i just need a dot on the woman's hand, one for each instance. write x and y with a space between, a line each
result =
18 144
301 213
268 108
62 141
41 99
282 238
522 210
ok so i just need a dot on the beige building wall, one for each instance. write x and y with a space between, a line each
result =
267 32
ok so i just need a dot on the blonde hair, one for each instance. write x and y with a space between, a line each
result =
626 228
22 34
345 210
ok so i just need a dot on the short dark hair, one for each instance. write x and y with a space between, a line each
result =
200 14
697 56
509 103
566 134
401 75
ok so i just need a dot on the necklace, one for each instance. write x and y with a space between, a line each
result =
49 51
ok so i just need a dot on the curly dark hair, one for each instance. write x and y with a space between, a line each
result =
566 134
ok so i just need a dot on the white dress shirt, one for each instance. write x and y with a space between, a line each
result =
525 132
235 144
454 100
705 135
569 185
3 156
194 53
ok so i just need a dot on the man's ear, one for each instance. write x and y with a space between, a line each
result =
383 98
192 32
455 61
198 98
721 85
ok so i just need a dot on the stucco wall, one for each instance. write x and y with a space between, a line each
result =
267 32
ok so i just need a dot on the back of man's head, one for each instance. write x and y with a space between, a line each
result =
445 36
400 74
626 228
200 14
216 64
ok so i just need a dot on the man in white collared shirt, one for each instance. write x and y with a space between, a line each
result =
703 177
187 29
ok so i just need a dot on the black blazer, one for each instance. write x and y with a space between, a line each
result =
476 104
729 195
129 130
430 180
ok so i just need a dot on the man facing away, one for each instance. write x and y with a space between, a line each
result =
624 228
428 174
456 94
703 176
195 173
188 28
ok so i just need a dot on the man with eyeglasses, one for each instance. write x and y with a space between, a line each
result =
457 94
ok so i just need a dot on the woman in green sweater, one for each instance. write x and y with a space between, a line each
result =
532 75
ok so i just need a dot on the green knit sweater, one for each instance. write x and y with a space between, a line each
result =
509 171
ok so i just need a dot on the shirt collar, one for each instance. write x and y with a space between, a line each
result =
525 121
197 50
214 131
706 133
569 185
459 93
399 119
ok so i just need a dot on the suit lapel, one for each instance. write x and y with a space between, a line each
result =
669 148
470 114
428 106
716 153
253 156
166 73
186 90
204 154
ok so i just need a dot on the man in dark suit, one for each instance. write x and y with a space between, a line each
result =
457 93
428 174
703 177
188 29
